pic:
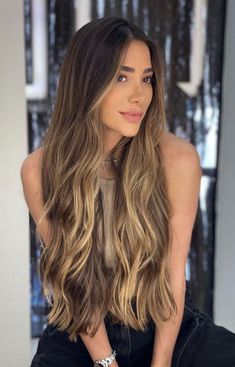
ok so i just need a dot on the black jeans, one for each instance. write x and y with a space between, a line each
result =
200 343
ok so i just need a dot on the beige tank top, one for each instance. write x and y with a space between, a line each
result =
107 187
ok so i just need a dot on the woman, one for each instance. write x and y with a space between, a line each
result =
114 197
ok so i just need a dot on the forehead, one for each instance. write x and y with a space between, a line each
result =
137 52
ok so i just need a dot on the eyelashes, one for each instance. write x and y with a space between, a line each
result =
149 78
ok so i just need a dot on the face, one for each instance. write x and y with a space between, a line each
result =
125 105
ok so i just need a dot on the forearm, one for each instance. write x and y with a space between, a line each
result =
98 346
165 338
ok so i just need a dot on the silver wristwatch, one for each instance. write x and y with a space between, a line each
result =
106 361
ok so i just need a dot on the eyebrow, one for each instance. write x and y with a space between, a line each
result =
132 70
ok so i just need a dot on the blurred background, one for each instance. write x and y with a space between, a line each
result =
198 40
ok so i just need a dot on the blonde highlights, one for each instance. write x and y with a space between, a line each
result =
73 269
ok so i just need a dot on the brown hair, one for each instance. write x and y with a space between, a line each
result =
72 265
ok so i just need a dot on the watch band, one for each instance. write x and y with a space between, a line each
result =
106 361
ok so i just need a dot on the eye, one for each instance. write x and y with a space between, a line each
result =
149 79
120 77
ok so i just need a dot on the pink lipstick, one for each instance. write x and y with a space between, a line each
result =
132 116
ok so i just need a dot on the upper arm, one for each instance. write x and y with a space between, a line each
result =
31 181
183 173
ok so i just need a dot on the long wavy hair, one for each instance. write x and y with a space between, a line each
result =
73 270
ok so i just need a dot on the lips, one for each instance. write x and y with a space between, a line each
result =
132 116
132 113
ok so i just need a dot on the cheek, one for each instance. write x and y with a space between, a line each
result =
110 105
149 97
106 111
113 98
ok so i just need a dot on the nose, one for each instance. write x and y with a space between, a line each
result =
137 95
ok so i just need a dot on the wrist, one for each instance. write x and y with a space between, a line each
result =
108 361
113 364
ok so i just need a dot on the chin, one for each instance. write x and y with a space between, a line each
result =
130 133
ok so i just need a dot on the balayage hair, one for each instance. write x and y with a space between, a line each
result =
73 270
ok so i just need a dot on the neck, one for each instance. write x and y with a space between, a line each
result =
117 155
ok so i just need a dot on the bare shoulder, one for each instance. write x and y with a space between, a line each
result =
32 163
31 181
30 173
179 155
183 174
